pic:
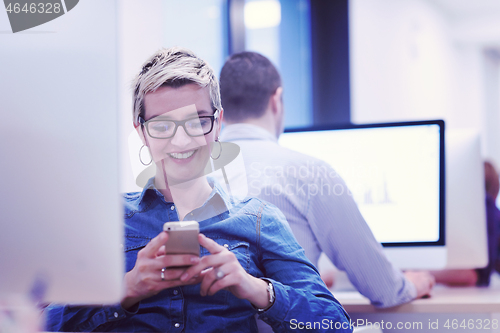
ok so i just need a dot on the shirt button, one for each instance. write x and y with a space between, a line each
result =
226 246
115 314
192 214
177 325
176 291
172 207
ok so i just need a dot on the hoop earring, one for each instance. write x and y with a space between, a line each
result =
220 150
140 157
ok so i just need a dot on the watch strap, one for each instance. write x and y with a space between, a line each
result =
270 292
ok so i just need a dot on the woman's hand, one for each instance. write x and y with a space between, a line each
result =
222 270
145 279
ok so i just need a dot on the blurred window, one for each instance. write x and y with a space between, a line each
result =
280 30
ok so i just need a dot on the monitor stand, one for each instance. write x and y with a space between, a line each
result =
417 257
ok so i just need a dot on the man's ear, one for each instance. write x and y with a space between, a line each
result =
277 101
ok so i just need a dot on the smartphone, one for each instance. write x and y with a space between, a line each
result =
182 237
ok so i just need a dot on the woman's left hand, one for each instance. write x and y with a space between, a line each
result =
222 270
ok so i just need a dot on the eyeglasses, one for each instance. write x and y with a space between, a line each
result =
165 129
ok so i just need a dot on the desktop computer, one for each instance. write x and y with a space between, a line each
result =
62 220
420 191
396 173
466 232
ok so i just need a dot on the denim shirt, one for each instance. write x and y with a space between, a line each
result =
257 233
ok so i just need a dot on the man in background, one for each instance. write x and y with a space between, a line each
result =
480 276
314 199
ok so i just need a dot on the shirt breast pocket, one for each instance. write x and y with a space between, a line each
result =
239 248
133 244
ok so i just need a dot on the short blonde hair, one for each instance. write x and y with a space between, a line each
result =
173 67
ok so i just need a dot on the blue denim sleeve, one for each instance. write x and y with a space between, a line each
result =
302 300
82 319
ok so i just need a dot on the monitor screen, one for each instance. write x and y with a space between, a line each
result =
394 171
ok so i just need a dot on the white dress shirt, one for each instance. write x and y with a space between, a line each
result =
321 212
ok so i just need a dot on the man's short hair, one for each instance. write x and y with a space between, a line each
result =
247 81
173 67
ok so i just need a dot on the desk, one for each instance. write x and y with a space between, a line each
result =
447 310
443 300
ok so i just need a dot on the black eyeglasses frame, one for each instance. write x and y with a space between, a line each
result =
178 123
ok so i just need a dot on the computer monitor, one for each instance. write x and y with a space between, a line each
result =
62 221
396 173
466 234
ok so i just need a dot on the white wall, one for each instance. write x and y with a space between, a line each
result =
400 67
412 60
140 34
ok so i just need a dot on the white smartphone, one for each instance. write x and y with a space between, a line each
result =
182 237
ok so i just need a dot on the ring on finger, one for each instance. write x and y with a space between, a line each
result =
163 273
219 274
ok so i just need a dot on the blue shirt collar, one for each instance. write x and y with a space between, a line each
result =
218 202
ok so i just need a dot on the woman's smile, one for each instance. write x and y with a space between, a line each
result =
183 156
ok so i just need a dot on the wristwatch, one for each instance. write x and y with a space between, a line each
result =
270 291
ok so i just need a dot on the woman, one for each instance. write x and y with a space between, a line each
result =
250 263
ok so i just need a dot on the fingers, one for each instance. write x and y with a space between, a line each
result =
152 248
429 279
208 280
161 251
175 260
171 278
173 266
218 257
209 244
177 283
170 274
226 282
212 282
432 282
423 281
214 260
220 260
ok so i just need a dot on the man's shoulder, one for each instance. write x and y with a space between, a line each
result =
286 162
299 155
277 153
